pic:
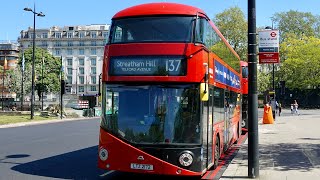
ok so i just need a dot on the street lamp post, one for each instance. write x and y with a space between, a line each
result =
42 89
33 54
22 80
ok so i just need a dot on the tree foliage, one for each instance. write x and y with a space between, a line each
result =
51 72
264 79
234 27
297 23
14 80
301 68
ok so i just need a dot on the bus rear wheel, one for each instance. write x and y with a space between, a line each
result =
243 123
216 154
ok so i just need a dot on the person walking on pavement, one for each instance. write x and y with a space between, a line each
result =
295 107
273 106
279 106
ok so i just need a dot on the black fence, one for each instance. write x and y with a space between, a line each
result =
307 99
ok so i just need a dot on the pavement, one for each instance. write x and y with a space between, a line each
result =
289 149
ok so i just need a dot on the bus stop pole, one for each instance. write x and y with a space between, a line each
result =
253 145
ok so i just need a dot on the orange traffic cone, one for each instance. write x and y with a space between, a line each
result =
267 115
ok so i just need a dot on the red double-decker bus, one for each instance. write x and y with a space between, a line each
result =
244 86
171 93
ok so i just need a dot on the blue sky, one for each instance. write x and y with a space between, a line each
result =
70 12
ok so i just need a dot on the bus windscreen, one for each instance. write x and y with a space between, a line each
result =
152 29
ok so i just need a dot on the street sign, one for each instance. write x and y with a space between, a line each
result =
267 58
269 46
269 38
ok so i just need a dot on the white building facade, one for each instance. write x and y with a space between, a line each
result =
81 49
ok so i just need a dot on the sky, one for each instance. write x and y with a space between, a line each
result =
14 19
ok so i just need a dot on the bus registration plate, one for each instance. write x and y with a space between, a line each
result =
148 167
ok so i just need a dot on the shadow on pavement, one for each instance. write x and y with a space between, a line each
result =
80 164
286 157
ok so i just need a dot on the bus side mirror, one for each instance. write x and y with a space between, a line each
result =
204 95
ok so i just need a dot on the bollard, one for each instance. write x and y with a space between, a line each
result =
267 115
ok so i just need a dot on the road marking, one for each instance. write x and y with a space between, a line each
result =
107 173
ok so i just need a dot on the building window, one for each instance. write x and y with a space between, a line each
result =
57 43
81 43
93 88
70 43
58 35
105 34
70 35
44 44
69 79
81 34
58 52
69 51
81 79
93 80
93 70
93 61
44 35
93 34
93 51
31 35
81 62
81 88
93 43
69 62
81 51
69 70
81 70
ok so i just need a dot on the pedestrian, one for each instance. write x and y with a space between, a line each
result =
295 107
291 107
273 107
279 105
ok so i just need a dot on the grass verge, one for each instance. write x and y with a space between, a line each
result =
4 119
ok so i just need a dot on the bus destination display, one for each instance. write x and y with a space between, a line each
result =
148 66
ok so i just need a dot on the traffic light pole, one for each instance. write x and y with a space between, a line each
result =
61 99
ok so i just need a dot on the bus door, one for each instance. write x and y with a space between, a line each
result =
227 120
207 129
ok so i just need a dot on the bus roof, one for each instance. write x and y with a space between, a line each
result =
243 63
159 9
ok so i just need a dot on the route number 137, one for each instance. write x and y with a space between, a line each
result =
173 65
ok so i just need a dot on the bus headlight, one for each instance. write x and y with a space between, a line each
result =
103 154
186 159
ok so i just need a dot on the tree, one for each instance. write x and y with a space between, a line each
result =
234 27
263 81
301 67
297 23
51 70
15 80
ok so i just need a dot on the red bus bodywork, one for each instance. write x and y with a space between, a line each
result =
120 153
244 87
244 80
